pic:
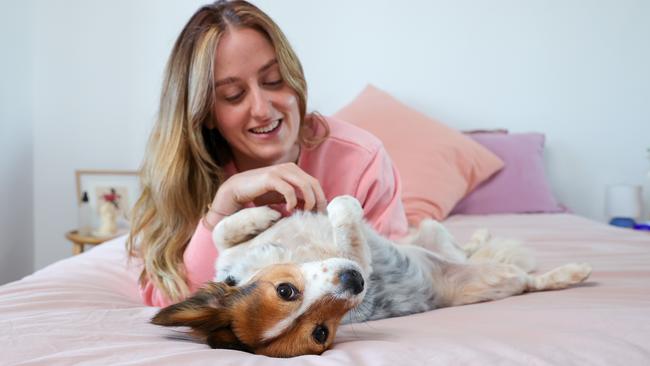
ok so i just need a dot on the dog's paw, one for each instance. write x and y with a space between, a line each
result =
243 225
563 276
481 235
261 218
578 272
344 209
479 238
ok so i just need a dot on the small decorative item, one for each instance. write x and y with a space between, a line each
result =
111 195
645 226
623 204
108 211
85 215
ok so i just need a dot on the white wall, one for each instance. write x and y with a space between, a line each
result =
16 168
575 70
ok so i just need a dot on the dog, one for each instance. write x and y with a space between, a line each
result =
283 286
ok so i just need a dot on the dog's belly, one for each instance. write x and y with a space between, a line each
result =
401 279
305 236
300 238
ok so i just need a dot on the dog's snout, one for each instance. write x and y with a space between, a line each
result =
352 280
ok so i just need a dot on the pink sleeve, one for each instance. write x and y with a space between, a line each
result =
379 192
199 259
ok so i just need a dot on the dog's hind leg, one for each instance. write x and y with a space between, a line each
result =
472 283
346 216
479 238
482 247
433 236
243 226
560 277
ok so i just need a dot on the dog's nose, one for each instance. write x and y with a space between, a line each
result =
352 280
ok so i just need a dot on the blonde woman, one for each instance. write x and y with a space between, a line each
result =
233 131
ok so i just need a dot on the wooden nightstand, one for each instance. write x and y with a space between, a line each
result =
80 241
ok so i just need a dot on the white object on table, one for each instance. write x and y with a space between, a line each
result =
624 200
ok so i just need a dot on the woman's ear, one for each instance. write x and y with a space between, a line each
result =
208 313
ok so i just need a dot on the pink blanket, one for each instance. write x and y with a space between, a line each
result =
86 310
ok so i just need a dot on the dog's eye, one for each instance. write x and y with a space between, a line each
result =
286 291
320 334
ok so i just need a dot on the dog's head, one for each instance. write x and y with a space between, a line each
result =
285 310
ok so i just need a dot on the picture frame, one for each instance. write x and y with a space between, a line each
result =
123 185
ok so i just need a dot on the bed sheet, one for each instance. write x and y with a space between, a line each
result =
86 310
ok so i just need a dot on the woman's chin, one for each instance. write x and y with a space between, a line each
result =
265 158
272 155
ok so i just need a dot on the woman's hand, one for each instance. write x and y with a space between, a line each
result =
283 183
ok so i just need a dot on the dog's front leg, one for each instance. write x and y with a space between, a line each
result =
346 216
243 226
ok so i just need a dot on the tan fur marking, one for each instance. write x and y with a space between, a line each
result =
263 309
298 339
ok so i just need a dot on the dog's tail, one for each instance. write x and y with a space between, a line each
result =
482 247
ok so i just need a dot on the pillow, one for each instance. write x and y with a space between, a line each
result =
521 186
438 165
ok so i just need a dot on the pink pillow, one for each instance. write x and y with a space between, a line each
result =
438 165
520 186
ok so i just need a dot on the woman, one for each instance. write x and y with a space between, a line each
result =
232 132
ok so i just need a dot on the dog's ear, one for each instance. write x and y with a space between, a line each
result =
208 313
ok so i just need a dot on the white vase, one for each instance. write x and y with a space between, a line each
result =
107 220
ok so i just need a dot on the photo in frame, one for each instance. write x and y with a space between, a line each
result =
120 188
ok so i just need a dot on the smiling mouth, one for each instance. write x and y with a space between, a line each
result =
267 129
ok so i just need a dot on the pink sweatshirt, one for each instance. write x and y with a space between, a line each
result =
350 161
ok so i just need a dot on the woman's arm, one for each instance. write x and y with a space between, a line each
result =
290 185
379 192
199 259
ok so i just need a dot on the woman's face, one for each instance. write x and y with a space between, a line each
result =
255 110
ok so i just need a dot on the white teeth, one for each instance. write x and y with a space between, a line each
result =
267 128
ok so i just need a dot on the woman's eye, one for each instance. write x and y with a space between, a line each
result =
320 334
273 82
286 291
233 97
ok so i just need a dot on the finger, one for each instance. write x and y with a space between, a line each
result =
308 196
309 187
287 191
269 198
320 200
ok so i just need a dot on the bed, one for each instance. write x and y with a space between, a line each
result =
86 310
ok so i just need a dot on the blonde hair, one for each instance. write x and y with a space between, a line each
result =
182 168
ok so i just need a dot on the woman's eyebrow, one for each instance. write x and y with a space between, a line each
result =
224 81
230 80
268 65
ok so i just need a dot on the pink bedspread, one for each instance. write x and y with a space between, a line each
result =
86 310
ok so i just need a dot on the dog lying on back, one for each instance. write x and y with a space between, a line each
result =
283 287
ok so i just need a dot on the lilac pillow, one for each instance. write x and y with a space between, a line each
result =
520 186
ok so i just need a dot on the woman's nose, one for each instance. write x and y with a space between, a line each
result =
260 104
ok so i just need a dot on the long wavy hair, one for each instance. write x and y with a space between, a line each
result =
183 165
